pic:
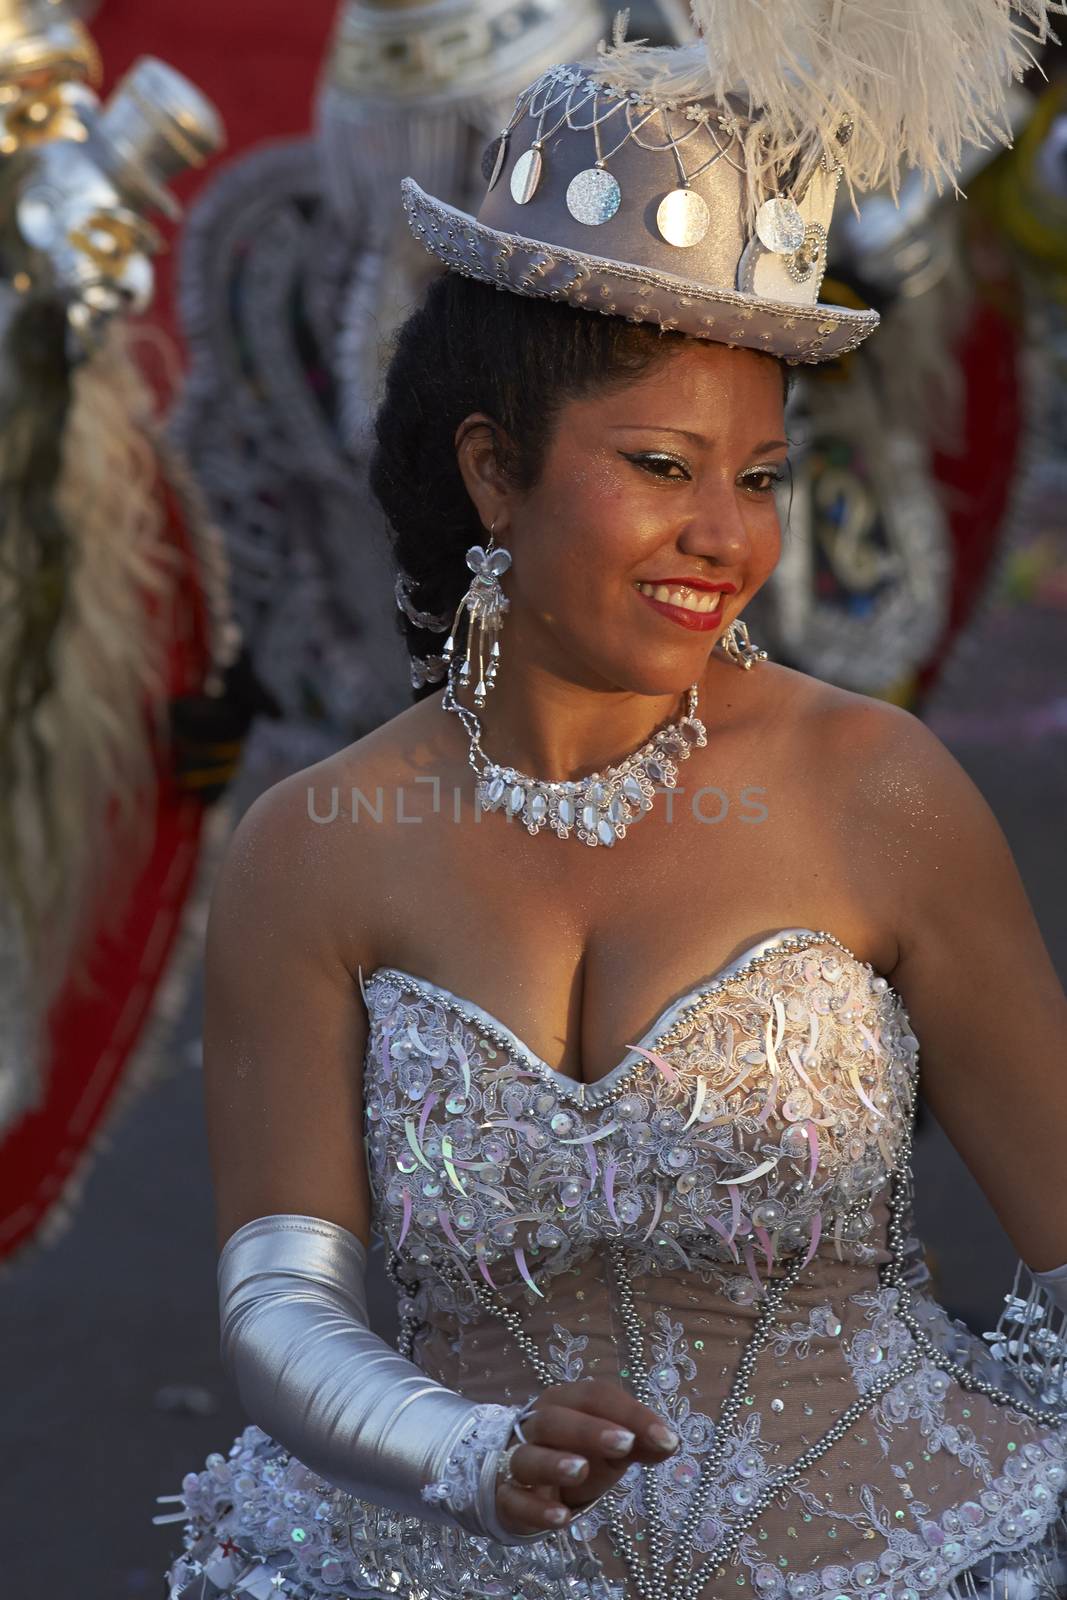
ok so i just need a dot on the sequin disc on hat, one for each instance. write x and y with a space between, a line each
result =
779 225
811 255
683 217
593 196
525 176
493 159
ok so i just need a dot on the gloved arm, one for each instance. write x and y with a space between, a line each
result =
312 1374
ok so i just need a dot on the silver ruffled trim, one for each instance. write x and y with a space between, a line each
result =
1030 1338
593 283
260 1517
261 1513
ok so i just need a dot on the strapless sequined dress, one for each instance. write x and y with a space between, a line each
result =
720 1224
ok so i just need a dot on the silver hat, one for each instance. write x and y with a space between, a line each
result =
405 87
621 203
693 187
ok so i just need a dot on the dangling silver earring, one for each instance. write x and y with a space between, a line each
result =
487 603
738 646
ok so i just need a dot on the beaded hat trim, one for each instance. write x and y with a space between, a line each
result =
725 316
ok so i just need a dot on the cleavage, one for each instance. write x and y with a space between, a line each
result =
508 1016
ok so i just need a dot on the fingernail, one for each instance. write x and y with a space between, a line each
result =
573 1466
661 1435
617 1440
557 1513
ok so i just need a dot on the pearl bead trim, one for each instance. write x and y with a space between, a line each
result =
656 1582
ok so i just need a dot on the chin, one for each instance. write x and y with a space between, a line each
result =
652 677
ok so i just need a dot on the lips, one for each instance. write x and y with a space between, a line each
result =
698 607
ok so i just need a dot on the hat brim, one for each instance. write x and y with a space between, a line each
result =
808 334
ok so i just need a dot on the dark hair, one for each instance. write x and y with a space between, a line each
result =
470 347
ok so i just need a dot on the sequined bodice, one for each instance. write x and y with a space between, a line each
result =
758 1118
707 1226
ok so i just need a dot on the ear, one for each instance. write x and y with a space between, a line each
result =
481 450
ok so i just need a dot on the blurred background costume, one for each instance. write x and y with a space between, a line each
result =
564 1243
117 647
296 267
906 453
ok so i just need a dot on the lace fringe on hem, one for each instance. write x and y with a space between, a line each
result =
1038 1573
261 1525
1030 1338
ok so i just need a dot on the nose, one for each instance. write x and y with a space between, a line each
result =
718 530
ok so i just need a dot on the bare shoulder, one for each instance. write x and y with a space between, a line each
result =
896 770
396 751
296 863
862 741
923 836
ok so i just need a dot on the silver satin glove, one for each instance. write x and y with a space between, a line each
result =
312 1374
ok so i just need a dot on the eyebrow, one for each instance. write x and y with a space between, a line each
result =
697 438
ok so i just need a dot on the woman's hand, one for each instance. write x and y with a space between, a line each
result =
582 1438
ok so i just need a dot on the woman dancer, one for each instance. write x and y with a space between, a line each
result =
619 1052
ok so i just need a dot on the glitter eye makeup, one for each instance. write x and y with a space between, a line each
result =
774 473
658 463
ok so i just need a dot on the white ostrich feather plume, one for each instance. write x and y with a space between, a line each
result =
914 81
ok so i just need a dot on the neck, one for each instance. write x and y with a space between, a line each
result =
557 730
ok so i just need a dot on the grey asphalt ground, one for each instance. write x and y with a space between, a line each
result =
109 1337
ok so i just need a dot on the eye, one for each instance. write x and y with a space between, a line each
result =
660 464
764 480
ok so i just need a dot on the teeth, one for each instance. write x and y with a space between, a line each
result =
700 600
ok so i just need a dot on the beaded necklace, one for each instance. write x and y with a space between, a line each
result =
599 808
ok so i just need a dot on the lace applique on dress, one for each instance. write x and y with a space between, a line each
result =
489 1430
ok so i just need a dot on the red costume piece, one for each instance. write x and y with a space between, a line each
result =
258 60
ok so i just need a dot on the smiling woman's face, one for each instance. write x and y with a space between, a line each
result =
668 477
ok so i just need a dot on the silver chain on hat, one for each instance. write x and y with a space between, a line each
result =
593 195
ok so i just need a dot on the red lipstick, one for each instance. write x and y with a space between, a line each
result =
695 621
